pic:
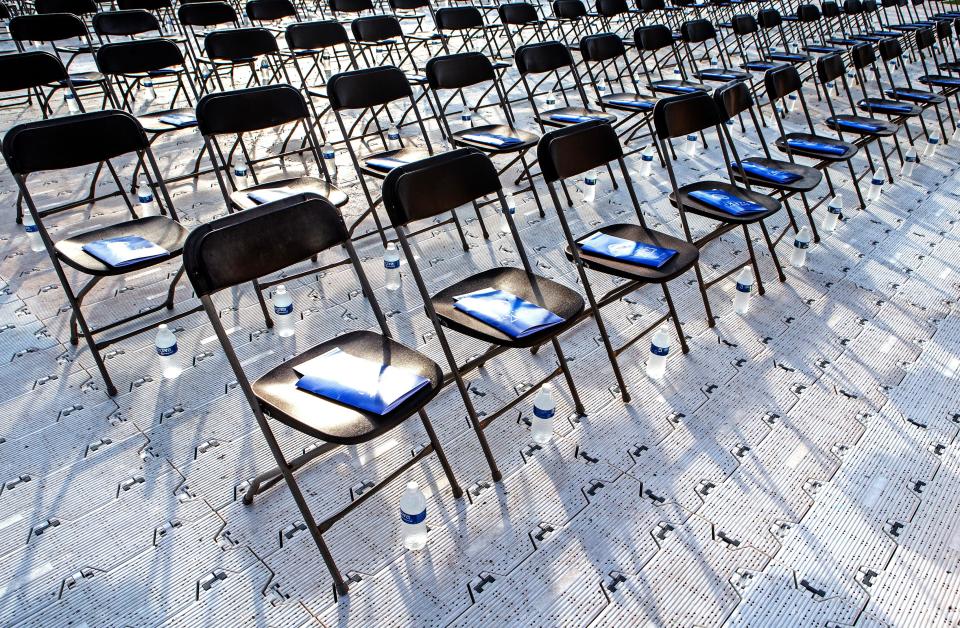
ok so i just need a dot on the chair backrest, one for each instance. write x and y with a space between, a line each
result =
205 14
426 188
542 57
517 13
925 38
697 31
569 9
373 28
830 10
852 7
409 5
890 48
125 23
459 70
684 114
270 10
781 80
250 109
22 70
5 12
744 24
572 150
830 67
230 250
315 35
863 55
72 141
141 55
369 87
74 7
47 27
732 99
611 8
458 18
808 13
351 6
652 38
146 5
239 44
602 47
769 18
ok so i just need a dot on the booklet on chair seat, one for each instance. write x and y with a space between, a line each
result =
506 312
766 172
268 195
179 120
727 202
635 103
816 147
626 250
360 383
574 118
386 164
492 139
124 250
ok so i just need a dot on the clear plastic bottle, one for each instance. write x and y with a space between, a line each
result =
149 93
391 267
550 100
646 162
792 102
33 233
393 137
413 517
329 160
264 70
690 147
876 184
909 163
240 174
284 323
146 203
71 101
798 258
659 349
466 119
544 409
602 89
590 186
166 346
930 149
834 213
741 299
956 135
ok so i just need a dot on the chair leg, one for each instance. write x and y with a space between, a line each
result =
711 321
454 485
173 288
773 251
267 319
578 405
676 319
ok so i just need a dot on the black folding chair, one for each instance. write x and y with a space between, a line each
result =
84 140
424 189
569 152
217 257
252 48
695 113
39 74
658 48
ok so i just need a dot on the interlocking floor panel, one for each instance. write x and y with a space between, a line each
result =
800 466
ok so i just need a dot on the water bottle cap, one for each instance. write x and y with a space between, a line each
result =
281 289
413 486
163 327
692 138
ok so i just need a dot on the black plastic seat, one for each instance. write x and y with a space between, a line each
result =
940 80
527 139
680 263
676 86
694 206
241 200
335 422
810 177
949 66
882 128
722 75
901 107
593 114
849 150
921 96
160 230
408 155
151 122
562 301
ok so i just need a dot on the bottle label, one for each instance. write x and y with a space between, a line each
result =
239 172
31 228
413 519
391 264
329 155
910 159
655 350
167 351
393 136
800 244
283 310
646 157
743 287
542 413
834 209
876 181
145 198
590 181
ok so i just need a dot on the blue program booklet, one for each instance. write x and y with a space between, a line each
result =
492 139
268 195
386 164
816 147
631 102
767 173
124 250
676 89
906 93
727 202
868 127
570 117
889 107
363 384
179 120
627 250
718 75
506 312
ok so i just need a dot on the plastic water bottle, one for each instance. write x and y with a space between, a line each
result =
240 172
800 245
166 345
590 187
956 135
930 149
413 517
147 204
283 320
741 300
550 100
393 137
543 410
466 119
909 163
391 267
512 208
646 162
791 103
149 93
876 184
659 348
834 213
329 160
33 233
71 101
691 146
264 69
602 90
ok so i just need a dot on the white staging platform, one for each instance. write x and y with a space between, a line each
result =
799 467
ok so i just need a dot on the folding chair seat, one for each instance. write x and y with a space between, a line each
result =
421 190
567 153
653 40
217 258
253 109
697 36
83 140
